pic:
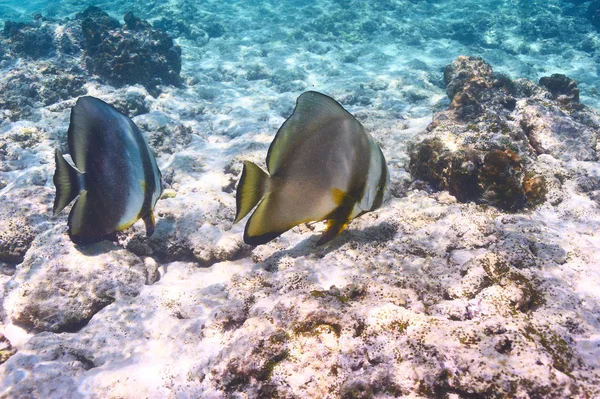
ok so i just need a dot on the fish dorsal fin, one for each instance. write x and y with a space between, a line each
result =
90 116
313 111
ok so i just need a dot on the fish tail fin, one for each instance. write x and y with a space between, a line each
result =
67 181
250 189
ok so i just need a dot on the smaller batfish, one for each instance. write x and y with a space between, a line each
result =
322 165
115 175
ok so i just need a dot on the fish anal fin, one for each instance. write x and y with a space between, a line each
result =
334 228
257 229
269 221
150 223
79 230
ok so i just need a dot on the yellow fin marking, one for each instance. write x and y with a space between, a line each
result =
338 196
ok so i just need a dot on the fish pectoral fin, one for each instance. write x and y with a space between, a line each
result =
340 217
334 228
150 223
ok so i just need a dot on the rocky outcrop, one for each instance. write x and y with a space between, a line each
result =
59 287
129 54
34 40
485 147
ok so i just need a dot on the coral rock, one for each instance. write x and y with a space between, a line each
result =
59 287
495 177
462 70
31 40
134 53
15 239
562 88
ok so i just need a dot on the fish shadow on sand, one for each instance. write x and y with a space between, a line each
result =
371 235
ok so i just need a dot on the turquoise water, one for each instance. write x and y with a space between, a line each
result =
342 45
436 294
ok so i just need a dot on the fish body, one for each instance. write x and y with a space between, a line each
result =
322 164
115 179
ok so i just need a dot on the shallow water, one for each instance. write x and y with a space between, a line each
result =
414 300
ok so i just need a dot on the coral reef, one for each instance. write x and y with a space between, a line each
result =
35 40
429 296
129 54
484 147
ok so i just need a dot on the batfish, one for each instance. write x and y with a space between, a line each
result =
115 177
322 165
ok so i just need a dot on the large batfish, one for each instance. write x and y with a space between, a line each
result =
322 164
115 176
